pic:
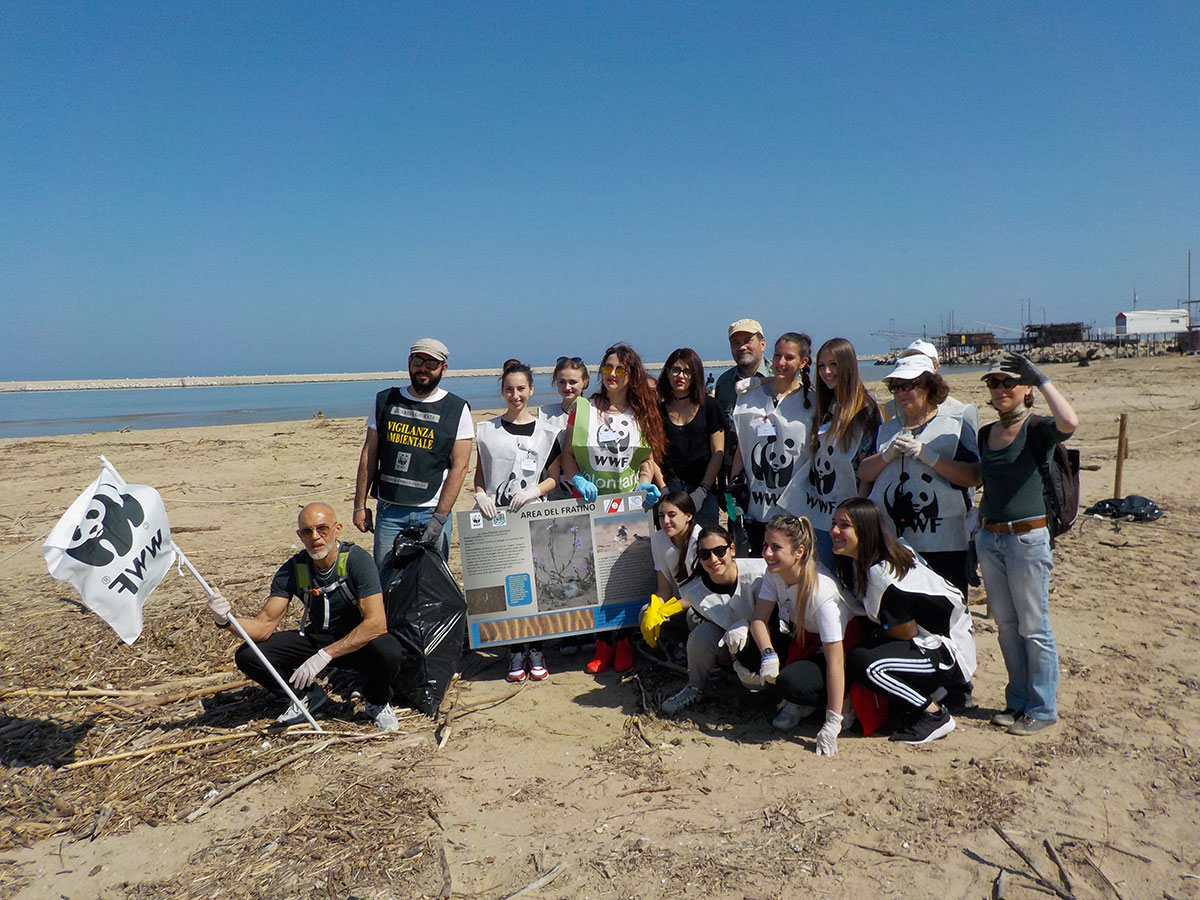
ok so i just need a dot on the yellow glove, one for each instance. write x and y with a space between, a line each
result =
655 614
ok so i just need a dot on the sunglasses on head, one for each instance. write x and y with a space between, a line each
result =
573 360
619 371
999 381
896 386
709 552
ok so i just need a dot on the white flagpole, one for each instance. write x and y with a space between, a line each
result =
237 626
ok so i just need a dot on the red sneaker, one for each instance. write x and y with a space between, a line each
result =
602 660
623 658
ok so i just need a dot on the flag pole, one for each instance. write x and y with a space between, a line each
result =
237 626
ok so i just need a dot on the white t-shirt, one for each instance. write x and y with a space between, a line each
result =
466 428
666 556
826 614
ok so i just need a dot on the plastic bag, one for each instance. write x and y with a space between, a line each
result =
1134 508
427 613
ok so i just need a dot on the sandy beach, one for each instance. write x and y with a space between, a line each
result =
580 772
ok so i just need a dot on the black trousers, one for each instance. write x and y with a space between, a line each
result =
902 670
951 565
378 661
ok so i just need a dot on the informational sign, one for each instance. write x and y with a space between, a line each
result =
554 569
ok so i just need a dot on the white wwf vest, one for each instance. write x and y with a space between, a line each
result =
923 580
830 479
726 610
511 463
774 441
923 508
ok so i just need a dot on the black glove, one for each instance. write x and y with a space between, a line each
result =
433 531
699 495
1023 370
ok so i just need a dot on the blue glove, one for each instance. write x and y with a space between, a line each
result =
653 494
586 488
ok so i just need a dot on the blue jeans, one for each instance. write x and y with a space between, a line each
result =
391 519
1016 575
708 512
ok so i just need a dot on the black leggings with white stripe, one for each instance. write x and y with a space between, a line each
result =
902 670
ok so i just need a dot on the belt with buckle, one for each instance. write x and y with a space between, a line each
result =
1020 527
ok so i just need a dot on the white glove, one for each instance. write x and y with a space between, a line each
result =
735 638
927 456
768 669
752 681
309 670
219 607
890 452
520 498
907 444
485 504
828 735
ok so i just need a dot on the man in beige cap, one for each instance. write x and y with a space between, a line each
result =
415 455
748 348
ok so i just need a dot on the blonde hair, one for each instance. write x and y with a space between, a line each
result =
799 532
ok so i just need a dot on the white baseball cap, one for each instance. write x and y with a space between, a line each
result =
910 367
924 347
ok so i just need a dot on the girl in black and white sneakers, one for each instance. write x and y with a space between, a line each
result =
925 645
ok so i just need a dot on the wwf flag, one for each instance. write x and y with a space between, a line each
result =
114 545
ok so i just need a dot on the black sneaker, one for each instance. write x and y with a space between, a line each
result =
926 727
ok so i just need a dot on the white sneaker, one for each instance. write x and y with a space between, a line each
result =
790 715
681 700
384 716
537 666
312 701
516 668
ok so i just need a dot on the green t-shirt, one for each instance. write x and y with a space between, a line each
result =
1012 483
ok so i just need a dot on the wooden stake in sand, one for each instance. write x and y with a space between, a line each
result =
1122 452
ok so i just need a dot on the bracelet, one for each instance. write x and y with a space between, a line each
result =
360 509
770 651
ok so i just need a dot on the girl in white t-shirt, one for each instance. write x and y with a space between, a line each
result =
513 451
797 602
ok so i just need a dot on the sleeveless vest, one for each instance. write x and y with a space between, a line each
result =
830 479
924 509
774 441
510 462
327 609
608 447
726 610
415 440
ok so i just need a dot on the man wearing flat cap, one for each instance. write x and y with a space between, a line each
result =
415 455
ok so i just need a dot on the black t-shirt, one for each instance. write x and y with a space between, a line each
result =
688 447
930 611
333 608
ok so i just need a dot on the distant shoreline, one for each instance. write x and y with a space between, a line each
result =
195 381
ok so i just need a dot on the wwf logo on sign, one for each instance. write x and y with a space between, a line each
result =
106 532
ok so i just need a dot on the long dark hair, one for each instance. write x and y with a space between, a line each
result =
853 408
690 360
642 398
804 342
875 544
709 531
682 501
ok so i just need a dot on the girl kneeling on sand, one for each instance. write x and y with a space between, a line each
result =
925 645
798 603
720 598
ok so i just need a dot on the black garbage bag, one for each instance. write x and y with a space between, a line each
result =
427 612
1134 508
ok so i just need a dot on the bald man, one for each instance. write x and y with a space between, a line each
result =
344 621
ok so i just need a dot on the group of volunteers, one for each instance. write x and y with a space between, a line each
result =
837 582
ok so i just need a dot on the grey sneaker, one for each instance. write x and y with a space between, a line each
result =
681 700
384 716
1007 718
790 715
312 701
1026 725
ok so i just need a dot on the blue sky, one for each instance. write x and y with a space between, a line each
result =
206 188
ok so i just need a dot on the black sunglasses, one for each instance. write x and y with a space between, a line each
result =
573 360
709 552
896 386
996 381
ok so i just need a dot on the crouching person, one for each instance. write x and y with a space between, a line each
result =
344 622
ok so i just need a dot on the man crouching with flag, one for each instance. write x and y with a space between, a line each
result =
344 620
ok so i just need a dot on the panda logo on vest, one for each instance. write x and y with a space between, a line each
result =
109 519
